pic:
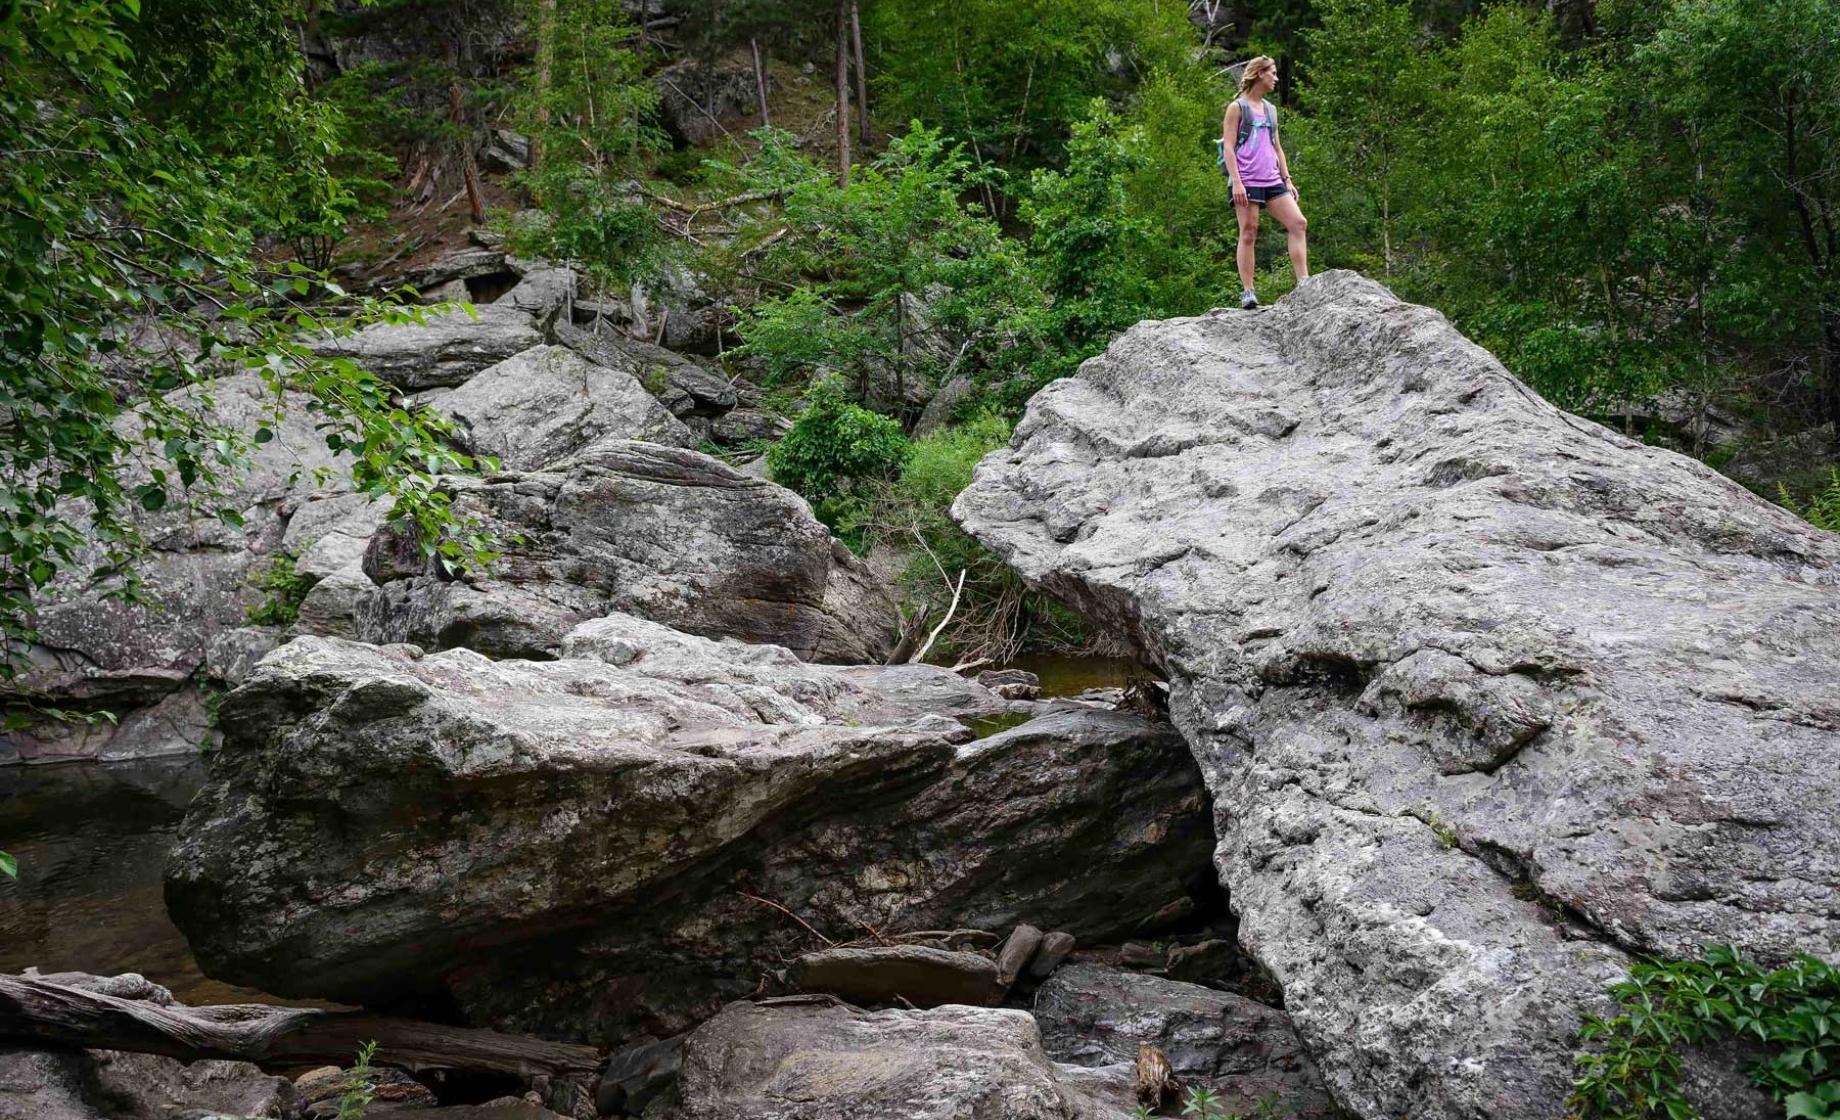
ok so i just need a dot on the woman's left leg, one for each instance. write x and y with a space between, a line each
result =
1290 216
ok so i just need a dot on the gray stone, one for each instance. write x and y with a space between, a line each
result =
637 1075
683 384
580 846
1487 695
693 96
666 533
1246 1052
913 974
445 350
1012 684
504 151
461 265
749 425
548 403
541 290
1017 951
1054 949
114 1085
1207 962
815 1061
1138 954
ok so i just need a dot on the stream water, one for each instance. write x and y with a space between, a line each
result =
91 840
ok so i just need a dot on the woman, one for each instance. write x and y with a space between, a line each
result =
1260 174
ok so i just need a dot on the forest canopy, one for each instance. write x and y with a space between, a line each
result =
1634 203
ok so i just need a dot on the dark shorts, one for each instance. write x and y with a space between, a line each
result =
1259 196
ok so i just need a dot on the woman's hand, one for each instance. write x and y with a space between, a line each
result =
1239 193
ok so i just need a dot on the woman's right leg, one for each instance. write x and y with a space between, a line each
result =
1247 255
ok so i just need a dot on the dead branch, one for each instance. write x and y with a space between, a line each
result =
37 1012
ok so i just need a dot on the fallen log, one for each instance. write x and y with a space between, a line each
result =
37 1011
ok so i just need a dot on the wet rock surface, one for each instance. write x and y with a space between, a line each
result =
621 839
1487 695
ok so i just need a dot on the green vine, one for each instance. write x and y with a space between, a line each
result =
1794 1011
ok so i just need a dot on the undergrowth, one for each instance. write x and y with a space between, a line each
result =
283 590
1634 1072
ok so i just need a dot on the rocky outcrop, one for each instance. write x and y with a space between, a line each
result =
201 577
814 1060
111 1085
629 836
444 350
1245 1052
669 534
548 403
1487 696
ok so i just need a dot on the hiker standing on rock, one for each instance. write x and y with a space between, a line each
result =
1259 173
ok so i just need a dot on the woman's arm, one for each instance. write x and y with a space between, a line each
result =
1229 132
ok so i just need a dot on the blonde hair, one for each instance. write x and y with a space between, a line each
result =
1253 69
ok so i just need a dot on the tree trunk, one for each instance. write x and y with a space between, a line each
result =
760 82
843 93
862 76
475 201
546 65
1830 361
38 1012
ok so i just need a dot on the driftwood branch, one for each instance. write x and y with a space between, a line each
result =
944 622
37 1012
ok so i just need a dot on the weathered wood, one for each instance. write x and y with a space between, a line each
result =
38 1011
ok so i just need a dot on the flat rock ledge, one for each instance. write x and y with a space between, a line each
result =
1487 695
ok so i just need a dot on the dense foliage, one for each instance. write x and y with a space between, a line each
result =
1632 202
1792 1013
128 234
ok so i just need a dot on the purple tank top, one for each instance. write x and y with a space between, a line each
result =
1256 158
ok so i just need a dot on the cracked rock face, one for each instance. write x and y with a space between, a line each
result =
670 534
580 847
1487 695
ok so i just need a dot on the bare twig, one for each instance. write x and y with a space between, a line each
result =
944 622
769 902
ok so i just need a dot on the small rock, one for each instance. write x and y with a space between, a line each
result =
1204 963
1016 953
637 1074
923 977
1054 949
1142 956
1011 684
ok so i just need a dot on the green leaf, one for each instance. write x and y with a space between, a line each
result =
9 866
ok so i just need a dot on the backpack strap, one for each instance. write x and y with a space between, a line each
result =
1271 115
1245 124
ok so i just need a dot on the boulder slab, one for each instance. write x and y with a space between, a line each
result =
1488 696
663 532
616 842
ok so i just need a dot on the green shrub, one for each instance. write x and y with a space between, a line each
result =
1823 508
834 452
283 589
1793 1011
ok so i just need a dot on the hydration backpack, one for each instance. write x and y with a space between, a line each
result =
1245 131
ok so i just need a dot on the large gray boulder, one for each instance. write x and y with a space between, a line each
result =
1245 1052
547 403
666 533
582 847
1488 696
445 349
813 1060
